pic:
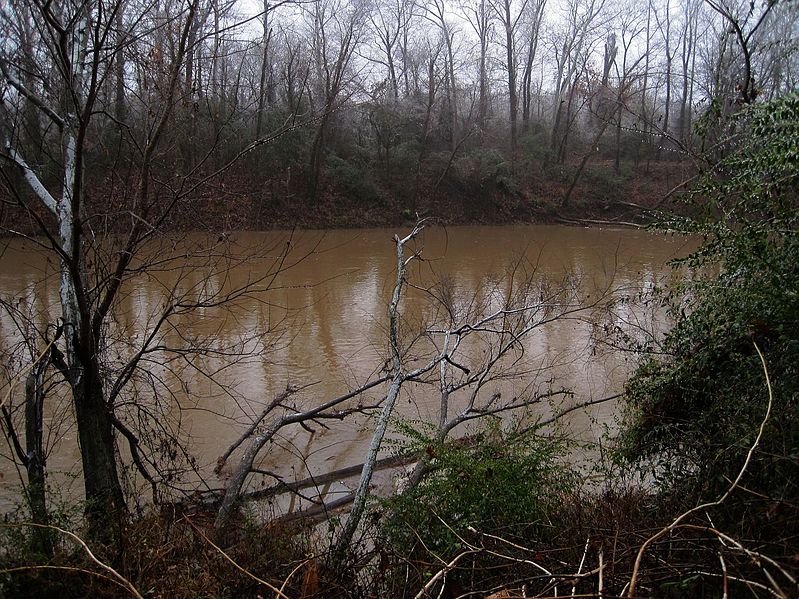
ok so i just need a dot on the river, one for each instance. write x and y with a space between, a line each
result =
321 324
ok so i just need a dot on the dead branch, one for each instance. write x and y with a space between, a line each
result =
116 575
280 398
289 417
398 378
244 571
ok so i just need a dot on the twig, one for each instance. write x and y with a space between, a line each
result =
750 583
562 413
726 581
580 568
684 515
753 555
293 572
122 580
512 544
601 572
25 371
220 462
271 587
447 567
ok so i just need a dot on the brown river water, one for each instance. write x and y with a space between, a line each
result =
323 323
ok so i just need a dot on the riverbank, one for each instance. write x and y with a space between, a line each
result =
532 197
509 522
535 193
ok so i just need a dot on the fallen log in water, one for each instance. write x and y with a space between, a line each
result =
323 479
211 499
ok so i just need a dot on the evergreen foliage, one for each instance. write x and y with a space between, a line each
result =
695 412
500 484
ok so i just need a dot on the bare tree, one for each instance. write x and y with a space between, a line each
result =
663 20
389 23
689 36
77 38
572 51
399 376
435 11
744 22
510 18
532 30
103 247
335 29
264 83
480 19
606 106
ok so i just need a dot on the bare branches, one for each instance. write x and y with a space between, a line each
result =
291 415
124 582
277 401
32 179
443 571
30 96
398 378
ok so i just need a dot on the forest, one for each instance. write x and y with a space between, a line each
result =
141 137
356 113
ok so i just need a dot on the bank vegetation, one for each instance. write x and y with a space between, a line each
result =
126 123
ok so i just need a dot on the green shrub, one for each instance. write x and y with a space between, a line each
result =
500 484
405 160
535 146
483 168
695 407
603 181
352 180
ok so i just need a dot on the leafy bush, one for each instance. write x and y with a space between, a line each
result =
482 167
695 412
500 484
535 145
405 159
352 180
286 152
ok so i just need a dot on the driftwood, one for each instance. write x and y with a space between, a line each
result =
592 221
317 512
212 499
323 479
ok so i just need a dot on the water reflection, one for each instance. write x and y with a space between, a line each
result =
325 322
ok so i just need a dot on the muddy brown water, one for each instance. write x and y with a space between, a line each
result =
322 324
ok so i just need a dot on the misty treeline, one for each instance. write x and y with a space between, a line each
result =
368 99
118 116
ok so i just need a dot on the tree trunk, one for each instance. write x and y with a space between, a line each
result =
105 504
453 96
563 146
481 27
120 108
431 99
316 158
398 378
262 93
512 96
667 113
644 127
617 159
192 94
565 202
688 52
41 538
